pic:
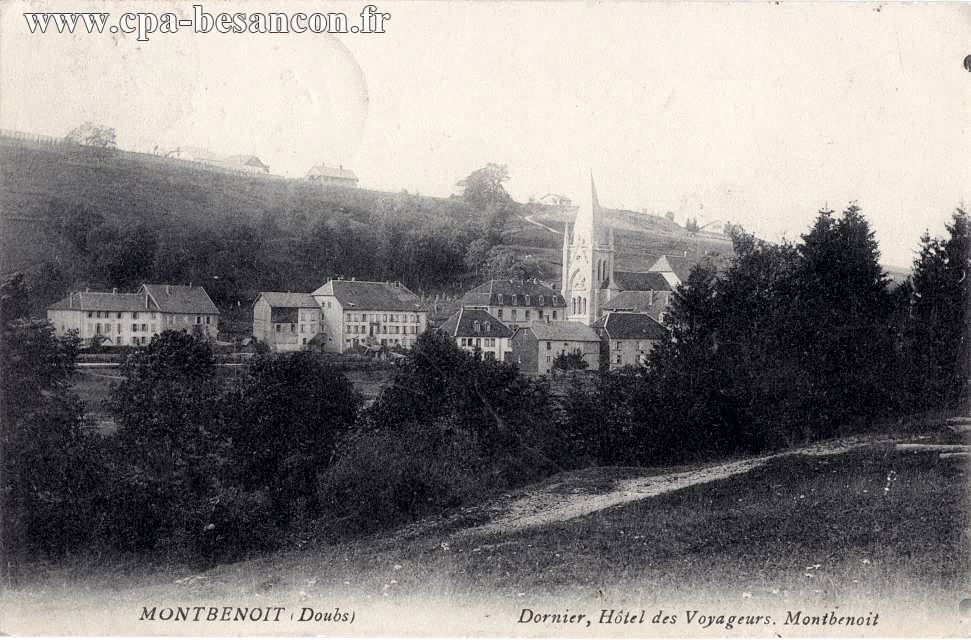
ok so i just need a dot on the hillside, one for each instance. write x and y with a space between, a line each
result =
186 207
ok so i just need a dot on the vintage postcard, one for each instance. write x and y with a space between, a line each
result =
501 319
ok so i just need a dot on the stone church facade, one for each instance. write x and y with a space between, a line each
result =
590 281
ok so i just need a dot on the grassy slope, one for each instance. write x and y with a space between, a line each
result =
148 189
800 533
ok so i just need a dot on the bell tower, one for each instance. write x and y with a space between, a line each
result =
588 261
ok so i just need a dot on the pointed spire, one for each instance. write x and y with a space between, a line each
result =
588 227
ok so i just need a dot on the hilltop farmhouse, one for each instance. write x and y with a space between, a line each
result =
338 176
122 319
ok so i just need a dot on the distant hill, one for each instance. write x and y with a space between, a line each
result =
180 200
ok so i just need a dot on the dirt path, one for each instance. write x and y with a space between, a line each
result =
544 505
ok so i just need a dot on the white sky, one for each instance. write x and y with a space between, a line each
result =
754 113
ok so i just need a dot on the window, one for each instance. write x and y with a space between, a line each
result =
154 328
119 315
619 345
302 329
527 300
514 314
618 359
541 300
134 315
97 328
549 346
487 327
144 327
478 342
134 327
499 314
118 328
527 314
475 326
153 315
514 298
554 314
208 318
498 298
384 318
305 341
198 319
278 328
90 314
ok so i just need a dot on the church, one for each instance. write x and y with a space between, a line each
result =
592 286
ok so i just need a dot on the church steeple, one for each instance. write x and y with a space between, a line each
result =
588 260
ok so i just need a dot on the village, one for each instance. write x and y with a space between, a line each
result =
597 317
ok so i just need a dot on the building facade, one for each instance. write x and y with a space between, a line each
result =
286 321
127 319
477 331
358 313
516 302
628 338
535 346
332 176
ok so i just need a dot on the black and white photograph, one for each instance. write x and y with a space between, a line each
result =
485 319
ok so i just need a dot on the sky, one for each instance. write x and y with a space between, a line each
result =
757 113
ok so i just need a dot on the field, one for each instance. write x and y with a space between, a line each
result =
868 531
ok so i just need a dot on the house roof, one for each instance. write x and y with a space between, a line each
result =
475 323
324 171
563 330
291 300
621 325
641 281
177 298
247 159
678 265
370 296
487 294
637 301
100 301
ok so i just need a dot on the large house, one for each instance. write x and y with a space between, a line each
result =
332 176
476 330
134 318
535 346
286 321
358 313
628 337
516 302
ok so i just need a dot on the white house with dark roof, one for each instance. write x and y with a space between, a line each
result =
629 337
323 174
534 346
123 319
516 302
357 312
286 321
476 330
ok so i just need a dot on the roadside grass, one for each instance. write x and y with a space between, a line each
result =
866 523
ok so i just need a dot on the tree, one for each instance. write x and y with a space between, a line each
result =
46 456
483 187
90 134
292 409
572 361
935 324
